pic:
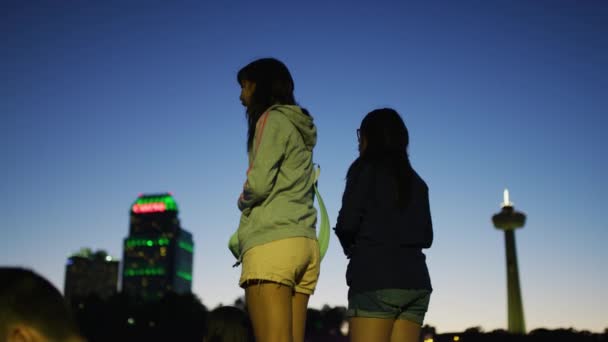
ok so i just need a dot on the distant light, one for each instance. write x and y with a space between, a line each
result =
505 196
151 324
186 246
108 258
456 338
430 339
131 321
184 275
344 328
138 272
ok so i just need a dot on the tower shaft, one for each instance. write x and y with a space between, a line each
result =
516 321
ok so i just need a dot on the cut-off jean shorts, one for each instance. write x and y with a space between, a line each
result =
293 262
410 305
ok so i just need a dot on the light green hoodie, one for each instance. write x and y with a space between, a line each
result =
277 199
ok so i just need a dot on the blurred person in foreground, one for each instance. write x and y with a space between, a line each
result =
33 310
228 324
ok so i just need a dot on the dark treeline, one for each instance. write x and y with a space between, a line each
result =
185 318
121 318
174 317
475 334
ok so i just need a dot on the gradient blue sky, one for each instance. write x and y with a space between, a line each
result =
103 100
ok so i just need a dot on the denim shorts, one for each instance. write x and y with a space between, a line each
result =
410 305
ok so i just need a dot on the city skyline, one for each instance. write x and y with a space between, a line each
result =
103 101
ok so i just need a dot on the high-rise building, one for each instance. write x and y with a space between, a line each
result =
158 252
88 273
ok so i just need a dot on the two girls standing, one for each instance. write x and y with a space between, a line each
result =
382 226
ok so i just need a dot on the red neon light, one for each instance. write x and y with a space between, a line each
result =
149 208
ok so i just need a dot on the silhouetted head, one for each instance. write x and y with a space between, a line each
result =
228 324
264 82
382 131
32 309
383 141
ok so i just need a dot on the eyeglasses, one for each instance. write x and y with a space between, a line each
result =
358 134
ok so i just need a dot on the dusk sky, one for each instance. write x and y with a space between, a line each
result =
104 100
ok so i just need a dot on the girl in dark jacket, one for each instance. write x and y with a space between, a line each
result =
383 225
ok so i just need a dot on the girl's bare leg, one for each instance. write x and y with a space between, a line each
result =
270 310
364 329
405 331
299 304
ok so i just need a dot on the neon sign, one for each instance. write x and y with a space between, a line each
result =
149 208
154 204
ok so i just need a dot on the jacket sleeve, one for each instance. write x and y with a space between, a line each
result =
268 155
353 208
427 223
419 232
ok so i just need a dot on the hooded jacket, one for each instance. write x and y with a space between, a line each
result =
277 198
384 242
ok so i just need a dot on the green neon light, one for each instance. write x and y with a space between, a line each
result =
168 200
186 246
150 271
147 242
184 275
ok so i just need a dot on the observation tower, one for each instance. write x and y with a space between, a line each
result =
508 220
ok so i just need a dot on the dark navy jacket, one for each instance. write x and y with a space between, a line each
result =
384 242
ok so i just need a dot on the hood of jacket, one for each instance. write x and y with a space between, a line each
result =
302 121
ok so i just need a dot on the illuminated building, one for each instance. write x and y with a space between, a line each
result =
158 252
88 273
508 220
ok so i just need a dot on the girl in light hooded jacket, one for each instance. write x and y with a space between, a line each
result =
277 242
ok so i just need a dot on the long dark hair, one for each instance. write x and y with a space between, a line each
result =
387 140
273 85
